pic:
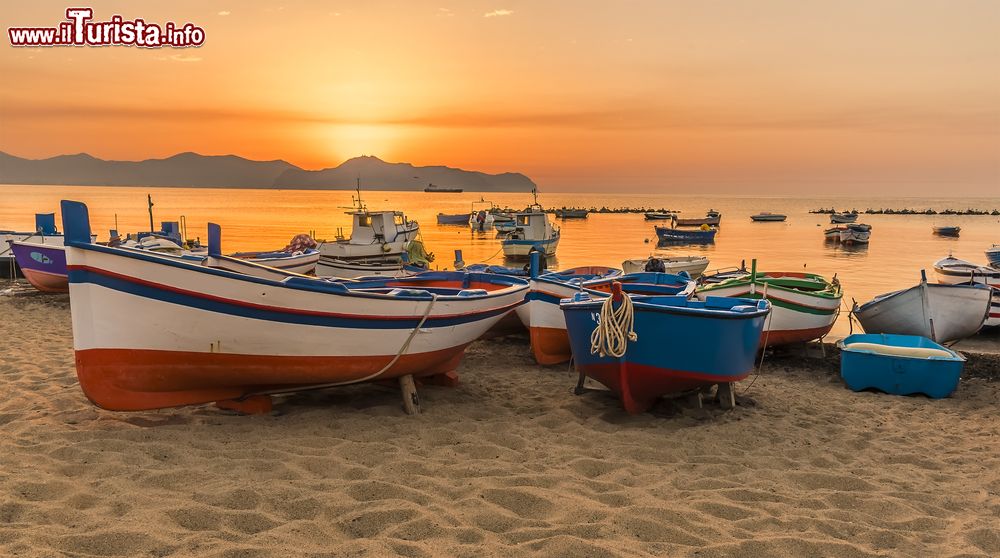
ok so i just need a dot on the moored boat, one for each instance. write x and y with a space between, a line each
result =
805 305
993 255
485 216
532 230
858 233
955 271
152 332
673 235
899 364
833 233
843 218
947 231
768 217
712 217
374 234
678 344
692 265
453 219
572 213
658 216
940 312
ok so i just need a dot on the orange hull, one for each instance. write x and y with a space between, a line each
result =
775 338
550 345
46 282
136 380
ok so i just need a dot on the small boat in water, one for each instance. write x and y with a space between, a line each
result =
954 271
712 217
658 216
374 234
678 236
675 344
572 213
806 305
485 216
532 230
692 265
151 332
768 217
947 231
843 218
899 364
858 233
993 255
833 233
453 219
940 312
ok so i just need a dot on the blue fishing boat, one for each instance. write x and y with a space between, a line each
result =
899 364
674 344
668 234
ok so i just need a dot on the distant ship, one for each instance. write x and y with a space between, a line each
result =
433 188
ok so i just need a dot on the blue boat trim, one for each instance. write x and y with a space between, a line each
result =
78 275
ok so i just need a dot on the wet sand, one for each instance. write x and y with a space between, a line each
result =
509 463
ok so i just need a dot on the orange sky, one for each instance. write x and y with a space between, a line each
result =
769 97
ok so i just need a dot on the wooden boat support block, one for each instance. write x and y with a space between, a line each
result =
253 405
411 402
447 379
727 395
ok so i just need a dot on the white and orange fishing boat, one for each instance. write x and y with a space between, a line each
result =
152 332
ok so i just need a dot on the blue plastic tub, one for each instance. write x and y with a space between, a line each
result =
921 365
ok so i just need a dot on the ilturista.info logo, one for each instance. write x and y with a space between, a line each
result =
80 29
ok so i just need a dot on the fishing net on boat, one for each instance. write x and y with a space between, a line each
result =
300 243
418 255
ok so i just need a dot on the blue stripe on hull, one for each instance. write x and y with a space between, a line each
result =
234 308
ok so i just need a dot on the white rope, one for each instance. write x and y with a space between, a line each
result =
614 329
384 369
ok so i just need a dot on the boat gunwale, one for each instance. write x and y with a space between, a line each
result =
303 283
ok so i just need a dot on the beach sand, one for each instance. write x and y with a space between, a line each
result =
509 463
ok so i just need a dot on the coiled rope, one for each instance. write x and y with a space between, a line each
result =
615 328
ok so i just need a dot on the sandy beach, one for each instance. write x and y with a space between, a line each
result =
509 463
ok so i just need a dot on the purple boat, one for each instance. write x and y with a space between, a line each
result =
43 265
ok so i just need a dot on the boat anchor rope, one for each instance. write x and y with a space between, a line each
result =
615 327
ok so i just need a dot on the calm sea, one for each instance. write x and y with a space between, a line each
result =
266 219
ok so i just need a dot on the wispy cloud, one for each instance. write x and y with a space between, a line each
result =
445 12
893 119
224 13
499 13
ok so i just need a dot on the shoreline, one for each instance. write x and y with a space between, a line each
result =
508 463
